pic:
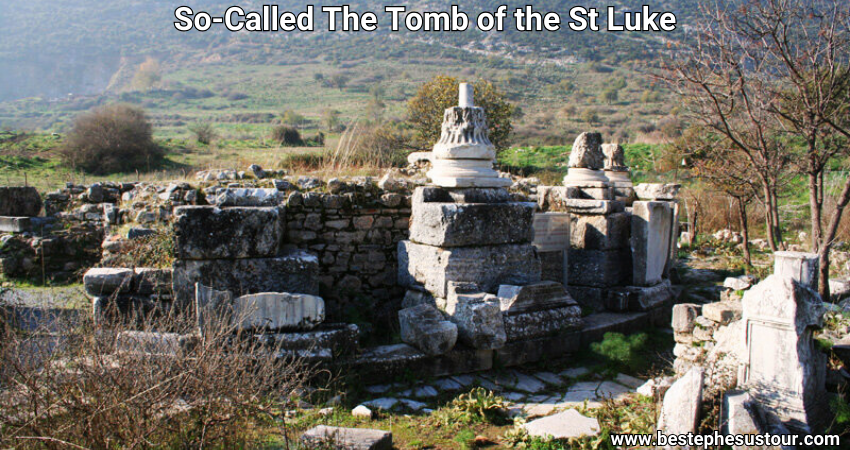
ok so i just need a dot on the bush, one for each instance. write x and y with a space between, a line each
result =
224 390
287 136
620 350
204 132
113 138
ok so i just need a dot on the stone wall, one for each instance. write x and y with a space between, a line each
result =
355 235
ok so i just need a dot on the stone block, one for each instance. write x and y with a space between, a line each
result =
148 280
325 437
104 281
533 297
517 353
208 232
479 323
278 311
436 194
14 224
684 317
247 197
551 231
596 325
547 322
657 191
741 283
19 201
599 268
722 312
640 298
490 266
600 232
340 340
738 415
798 266
652 225
565 425
554 266
150 343
681 406
213 308
425 328
295 272
458 225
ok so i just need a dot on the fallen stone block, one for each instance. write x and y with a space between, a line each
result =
278 311
458 225
657 191
294 272
684 317
207 232
741 283
19 201
723 312
104 281
14 224
564 425
341 340
489 267
325 437
533 297
480 324
425 328
149 343
681 406
738 415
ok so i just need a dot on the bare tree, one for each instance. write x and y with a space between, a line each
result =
724 92
772 76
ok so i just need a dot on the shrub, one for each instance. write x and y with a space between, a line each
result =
204 133
113 138
476 406
220 391
620 350
286 135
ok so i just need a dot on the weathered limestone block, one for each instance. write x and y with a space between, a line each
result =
640 298
738 415
490 266
479 321
741 283
324 436
337 340
684 317
457 225
208 232
247 197
19 201
104 281
148 280
437 194
213 309
652 225
278 311
723 312
15 224
151 343
785 371
520 352
600 232
799 266
568 424
681 406
657 191
425 328
599 268
537 310
296 272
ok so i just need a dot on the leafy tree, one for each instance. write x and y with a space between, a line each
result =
148 75
610 95
290 117
589 116
332 119
112 138
287 136
425 110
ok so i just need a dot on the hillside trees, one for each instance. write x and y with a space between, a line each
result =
425 110
148 75
772 77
